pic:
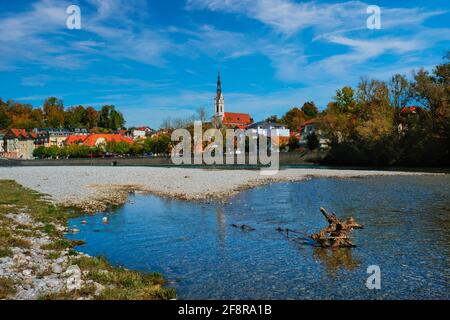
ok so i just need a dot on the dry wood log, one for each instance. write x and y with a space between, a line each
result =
337 233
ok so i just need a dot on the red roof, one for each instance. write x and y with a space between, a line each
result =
143 128
20 133
410 109
233 119
74 138
311 121
92 139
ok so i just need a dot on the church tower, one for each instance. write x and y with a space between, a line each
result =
219 102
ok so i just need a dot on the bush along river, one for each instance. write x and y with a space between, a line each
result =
195 246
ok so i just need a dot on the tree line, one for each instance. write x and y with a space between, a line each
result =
371 124
53 114
158 145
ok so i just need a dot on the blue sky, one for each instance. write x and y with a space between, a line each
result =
157 59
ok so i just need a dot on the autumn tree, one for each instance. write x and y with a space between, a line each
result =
53 112
310 110
293 119
91 117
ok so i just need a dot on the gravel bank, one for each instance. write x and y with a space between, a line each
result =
93 188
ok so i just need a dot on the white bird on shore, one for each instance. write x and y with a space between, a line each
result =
105 219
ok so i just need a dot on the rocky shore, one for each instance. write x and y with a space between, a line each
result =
37 262
35 270
96 188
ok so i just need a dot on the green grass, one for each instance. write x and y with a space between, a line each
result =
119 283
5 252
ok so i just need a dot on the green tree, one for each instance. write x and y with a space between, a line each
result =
400 91
293 143
40 152
273 118
54 112
344 100
310 110
110 118
5 120
91 118
75 117
312 141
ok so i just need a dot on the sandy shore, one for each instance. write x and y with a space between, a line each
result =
93 188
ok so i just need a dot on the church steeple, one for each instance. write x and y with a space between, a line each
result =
219 101
219 85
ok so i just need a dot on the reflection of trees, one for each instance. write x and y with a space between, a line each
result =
334 259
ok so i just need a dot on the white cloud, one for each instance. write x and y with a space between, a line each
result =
38 35
289 17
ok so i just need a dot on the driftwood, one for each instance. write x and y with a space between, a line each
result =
243 227
337 234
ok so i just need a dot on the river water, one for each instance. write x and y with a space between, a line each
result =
195 246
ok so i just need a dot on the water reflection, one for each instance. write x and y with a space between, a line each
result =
335 259
221 227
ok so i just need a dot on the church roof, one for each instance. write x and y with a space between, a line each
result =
234 119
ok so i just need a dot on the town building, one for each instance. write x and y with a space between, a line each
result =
18 144
141 132
2 142
228 119
49 137
309 127
97 139
270 129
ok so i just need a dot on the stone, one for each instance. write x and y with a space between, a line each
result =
98 288
74 283
73 270
56 268
27 272
60 260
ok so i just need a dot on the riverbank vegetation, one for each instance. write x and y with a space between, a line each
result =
34 255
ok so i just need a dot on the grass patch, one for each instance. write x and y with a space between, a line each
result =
62 244
7 240
5 252
123 284
6 288
85 291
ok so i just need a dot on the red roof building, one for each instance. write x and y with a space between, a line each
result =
236 120
96 139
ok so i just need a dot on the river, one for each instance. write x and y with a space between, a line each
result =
195 246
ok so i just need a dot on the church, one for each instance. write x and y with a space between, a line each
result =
231 120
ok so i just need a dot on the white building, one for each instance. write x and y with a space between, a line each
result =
270 129
309 127
141 132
